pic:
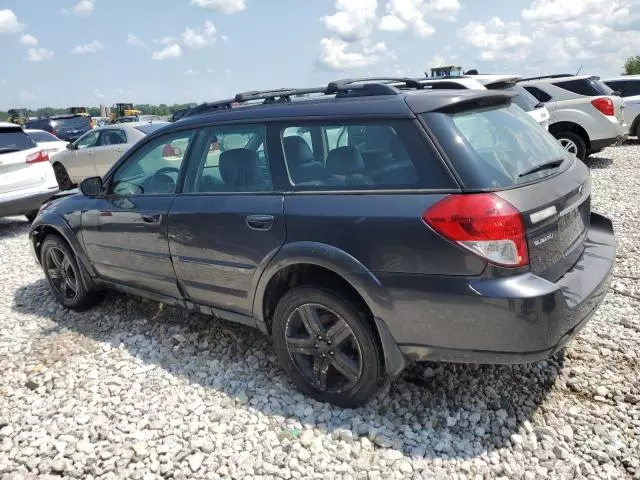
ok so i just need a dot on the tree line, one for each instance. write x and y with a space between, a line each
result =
148 109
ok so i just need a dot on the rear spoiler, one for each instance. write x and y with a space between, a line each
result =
481 101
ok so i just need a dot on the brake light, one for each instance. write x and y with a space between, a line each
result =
41 156
604 105
483 223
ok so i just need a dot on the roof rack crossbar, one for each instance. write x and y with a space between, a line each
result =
542 77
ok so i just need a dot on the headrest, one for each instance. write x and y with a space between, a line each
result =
344 160
297 151
240 169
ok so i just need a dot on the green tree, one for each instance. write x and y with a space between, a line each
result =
632 66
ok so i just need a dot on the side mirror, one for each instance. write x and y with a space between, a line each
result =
70 146
91 187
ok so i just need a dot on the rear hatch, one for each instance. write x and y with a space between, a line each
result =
15 173
494 149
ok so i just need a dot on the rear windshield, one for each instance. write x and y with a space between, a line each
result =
42 136
523 99
14 140
38 123
72 122
152 127
589 87
496 147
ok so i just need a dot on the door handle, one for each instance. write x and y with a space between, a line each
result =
151 218
260 222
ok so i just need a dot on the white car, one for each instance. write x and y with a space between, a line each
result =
96 151
523 99
585 114
26 176
629 88
49 142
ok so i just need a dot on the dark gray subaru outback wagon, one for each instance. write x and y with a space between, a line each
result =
363 225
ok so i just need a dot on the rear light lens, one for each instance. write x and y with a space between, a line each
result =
41 156
483 223
604 105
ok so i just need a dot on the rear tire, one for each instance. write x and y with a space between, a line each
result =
62 177
573 143
31 216
63 275
332 354
638 130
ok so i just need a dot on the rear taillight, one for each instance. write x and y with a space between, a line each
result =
483 223
41 156
604 105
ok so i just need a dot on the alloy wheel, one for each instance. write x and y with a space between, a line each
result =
323 348
569 146
61 273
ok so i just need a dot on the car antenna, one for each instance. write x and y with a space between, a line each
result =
578 70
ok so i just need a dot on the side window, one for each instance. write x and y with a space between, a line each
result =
579 87
539 94
234 160
112 137
364 155
154 168
89 140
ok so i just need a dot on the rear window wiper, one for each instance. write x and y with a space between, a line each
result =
543 166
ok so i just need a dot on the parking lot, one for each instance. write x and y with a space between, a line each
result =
132 389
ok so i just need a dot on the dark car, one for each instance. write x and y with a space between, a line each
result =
66 127
363 226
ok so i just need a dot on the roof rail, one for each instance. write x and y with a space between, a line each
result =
372 85
557 75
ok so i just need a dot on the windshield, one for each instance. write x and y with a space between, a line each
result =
492 147
14 140
150 128
42 136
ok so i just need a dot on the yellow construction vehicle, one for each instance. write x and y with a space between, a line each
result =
79 111
124 110
18 116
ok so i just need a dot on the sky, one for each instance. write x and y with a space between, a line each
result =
63 53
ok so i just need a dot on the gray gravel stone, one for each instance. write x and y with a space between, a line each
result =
130 389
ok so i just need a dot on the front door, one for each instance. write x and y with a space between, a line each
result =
82 164
125 233
111 146
228 222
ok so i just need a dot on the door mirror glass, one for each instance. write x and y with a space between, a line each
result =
70 146
91 186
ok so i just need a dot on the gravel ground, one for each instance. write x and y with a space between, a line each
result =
134 390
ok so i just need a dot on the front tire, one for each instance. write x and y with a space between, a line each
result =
63 274
326 346
573 143
62 177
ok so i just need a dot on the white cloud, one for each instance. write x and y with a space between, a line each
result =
560 11
39 54
165 40
353 21
190 72
496 39
9 23
29 40
135 41
84 8
170 51
91 47
406 15
222 6
224 38
337 54
196 38
444 9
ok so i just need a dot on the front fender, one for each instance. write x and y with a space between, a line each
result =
50 221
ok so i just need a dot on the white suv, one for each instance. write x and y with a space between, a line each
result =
26 176
629 89
585 114
523 99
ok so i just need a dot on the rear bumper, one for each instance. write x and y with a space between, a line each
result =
597 145
515 319
25 204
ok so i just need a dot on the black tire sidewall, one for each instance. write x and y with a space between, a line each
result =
81 300
372 372
62 177
575 138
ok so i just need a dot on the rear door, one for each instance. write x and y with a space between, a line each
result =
15 173
228 222
109 148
